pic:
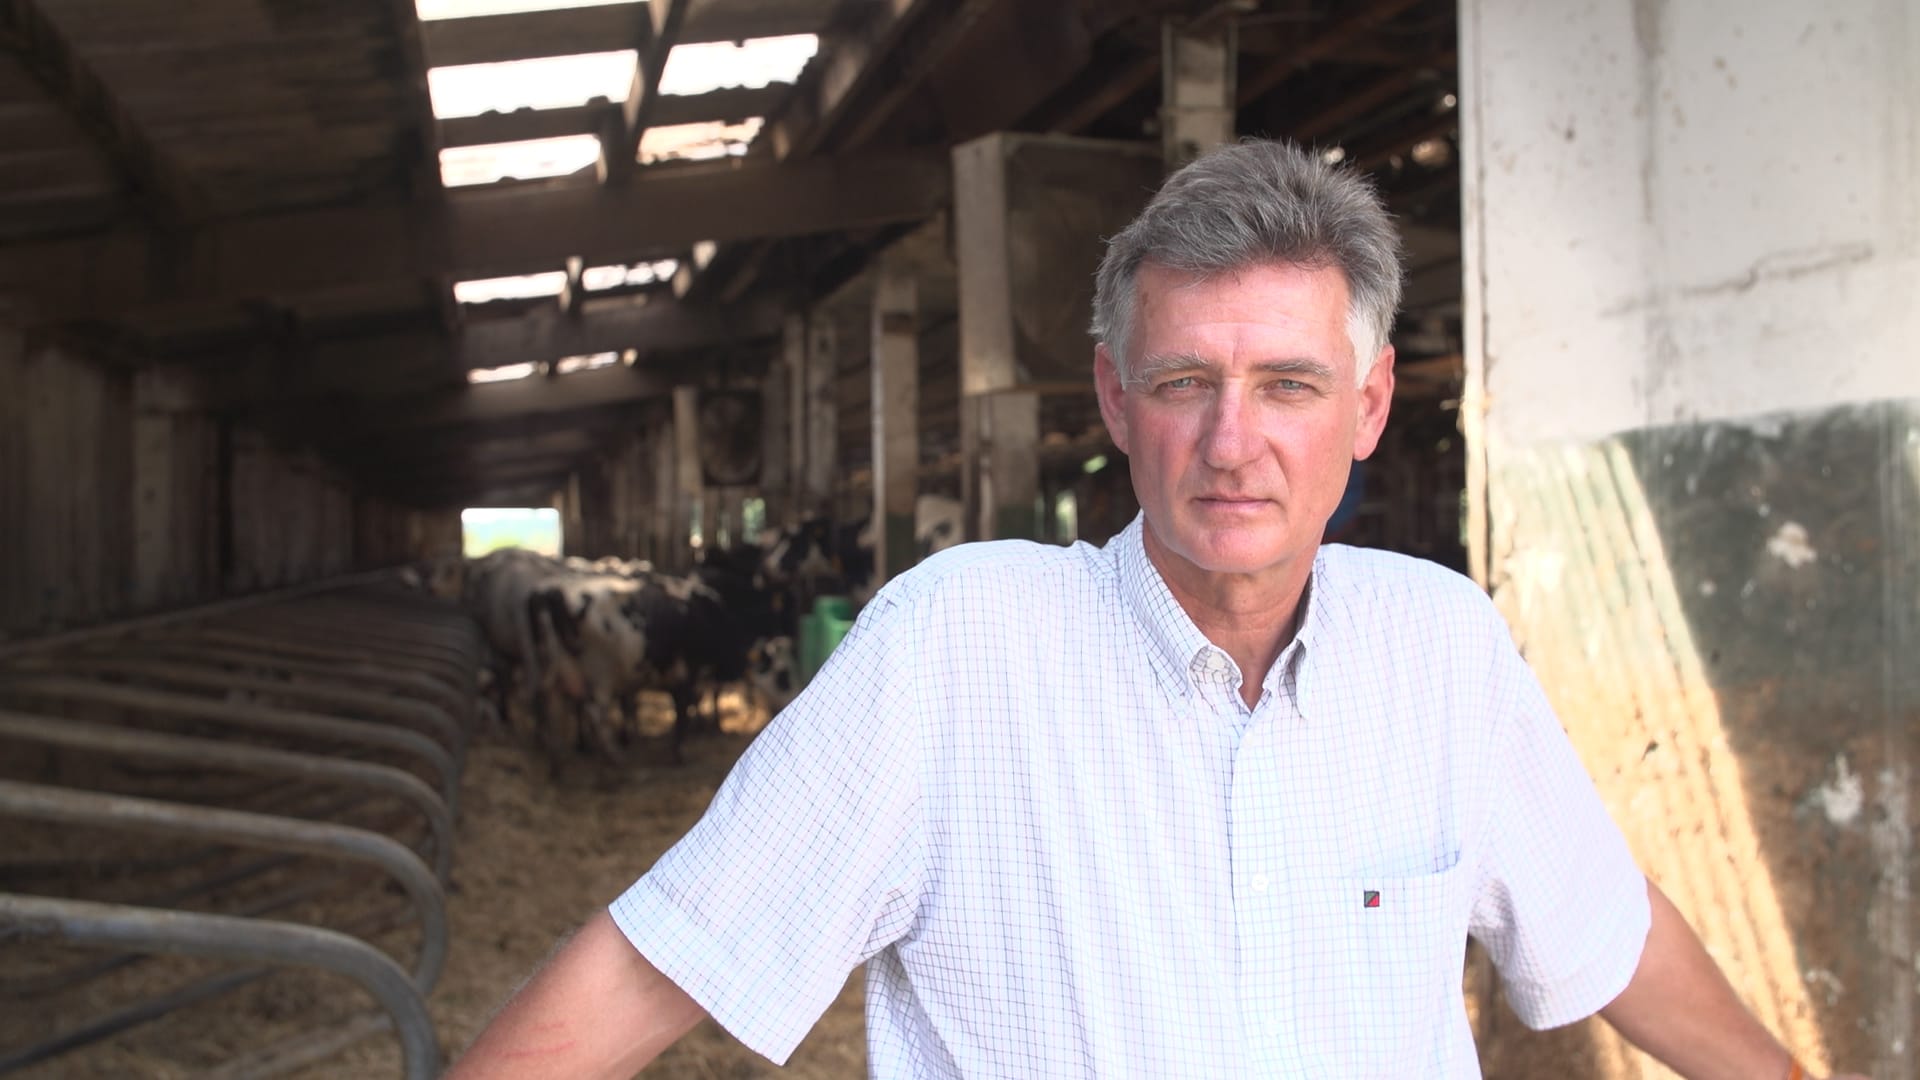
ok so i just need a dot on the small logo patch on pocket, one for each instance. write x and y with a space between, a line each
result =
1371 898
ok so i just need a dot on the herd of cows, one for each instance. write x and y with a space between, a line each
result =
574 642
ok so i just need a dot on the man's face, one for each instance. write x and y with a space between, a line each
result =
1244 417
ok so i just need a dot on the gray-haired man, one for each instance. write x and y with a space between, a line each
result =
1213 800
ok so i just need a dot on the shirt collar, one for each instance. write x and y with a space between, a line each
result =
1179 651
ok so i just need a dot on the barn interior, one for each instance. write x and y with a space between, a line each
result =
288 285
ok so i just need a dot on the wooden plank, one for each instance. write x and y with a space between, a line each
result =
491 39
731 104
608 326
521 125
620 152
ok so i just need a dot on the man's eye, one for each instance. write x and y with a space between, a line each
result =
1184 382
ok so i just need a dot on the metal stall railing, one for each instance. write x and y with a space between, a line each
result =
216 781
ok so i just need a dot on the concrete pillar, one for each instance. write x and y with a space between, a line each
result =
896 419
1691 244
1024 308
664 486
1197 87
776 448
574 537
793 355
688 480
819 464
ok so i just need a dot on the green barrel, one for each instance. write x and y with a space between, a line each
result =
820 632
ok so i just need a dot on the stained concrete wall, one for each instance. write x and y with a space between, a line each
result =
1692 248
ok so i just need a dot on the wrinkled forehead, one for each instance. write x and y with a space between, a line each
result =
1311 297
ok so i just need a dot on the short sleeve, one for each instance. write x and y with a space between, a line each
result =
1561 907
808 860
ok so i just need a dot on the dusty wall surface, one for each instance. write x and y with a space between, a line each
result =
121 493
66 482
1691 250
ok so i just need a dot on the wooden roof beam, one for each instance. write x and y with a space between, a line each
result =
620 151
505 401
1323 45
477 233
1329 120
439 447
729 103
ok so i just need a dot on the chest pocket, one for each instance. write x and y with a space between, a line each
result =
1376 978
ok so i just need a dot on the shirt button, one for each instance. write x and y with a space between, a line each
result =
1259 883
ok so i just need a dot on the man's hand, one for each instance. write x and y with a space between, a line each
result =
598 1009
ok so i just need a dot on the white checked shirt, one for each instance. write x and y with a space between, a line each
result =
1026 792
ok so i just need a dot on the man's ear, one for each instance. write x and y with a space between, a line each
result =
1106 379
1376 398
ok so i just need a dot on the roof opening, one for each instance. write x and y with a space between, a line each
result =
461 9
597 278
696 69
698 142
532 159
551 82
504 373
570 364
523 287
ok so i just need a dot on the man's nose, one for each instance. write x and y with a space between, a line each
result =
1229 439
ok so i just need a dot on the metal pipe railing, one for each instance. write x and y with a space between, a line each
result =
227 937
416 683
216 753
43 803
242 714
199 673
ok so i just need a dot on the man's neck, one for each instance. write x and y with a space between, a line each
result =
1251 616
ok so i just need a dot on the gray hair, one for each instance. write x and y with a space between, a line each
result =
1255 203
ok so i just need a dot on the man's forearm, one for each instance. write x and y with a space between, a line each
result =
598 1009
1680 1008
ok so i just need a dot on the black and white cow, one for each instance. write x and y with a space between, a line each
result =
577 641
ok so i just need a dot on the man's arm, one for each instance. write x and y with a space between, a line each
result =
1680 1008
597 1009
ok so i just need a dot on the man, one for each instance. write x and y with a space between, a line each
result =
1214 800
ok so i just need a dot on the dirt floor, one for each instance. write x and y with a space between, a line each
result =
536 854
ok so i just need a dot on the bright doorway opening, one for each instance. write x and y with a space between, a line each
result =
489 528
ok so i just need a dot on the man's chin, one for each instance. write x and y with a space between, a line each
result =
1229 553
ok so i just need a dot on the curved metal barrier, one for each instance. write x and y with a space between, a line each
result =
257 757
226 937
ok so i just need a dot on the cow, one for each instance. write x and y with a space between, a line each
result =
818 558
603 639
